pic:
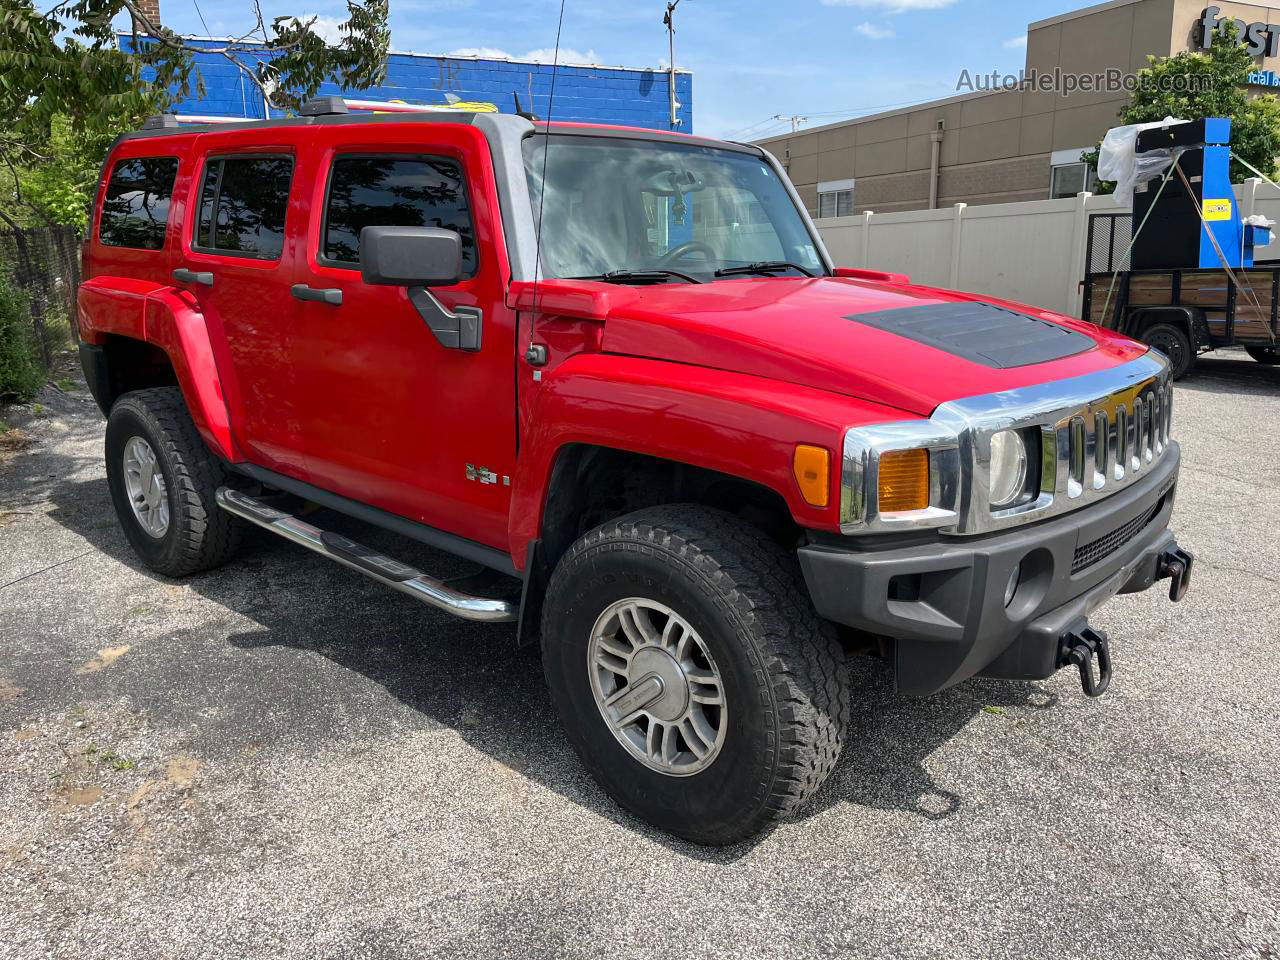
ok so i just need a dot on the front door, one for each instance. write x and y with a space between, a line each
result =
391 416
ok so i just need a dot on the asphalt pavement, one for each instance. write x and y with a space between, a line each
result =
282 759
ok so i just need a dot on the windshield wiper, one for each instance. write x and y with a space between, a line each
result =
639 276
764 268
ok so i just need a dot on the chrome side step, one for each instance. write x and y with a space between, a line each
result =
385 570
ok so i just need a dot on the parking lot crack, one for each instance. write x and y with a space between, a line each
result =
52 566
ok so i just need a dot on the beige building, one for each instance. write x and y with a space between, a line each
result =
998 145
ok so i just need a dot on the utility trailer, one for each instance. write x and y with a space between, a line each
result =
1181 312
1187 282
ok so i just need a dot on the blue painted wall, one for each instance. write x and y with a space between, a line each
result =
637 98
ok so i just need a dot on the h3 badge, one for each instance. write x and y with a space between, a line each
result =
485 476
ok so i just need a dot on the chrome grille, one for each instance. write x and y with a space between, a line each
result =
1099 433
1116 439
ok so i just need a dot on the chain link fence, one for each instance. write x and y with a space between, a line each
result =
44 264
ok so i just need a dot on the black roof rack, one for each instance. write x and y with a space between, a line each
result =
323 107
160 121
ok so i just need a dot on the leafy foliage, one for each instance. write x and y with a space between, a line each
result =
66 90
21 372
1194 86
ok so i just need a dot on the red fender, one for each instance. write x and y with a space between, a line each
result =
171 320
744 426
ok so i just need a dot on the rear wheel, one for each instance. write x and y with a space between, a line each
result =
1268 355
691 674
1174 343
162 479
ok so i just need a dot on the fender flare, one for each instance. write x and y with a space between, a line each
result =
170 319
740 425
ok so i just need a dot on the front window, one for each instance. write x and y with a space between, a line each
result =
638 206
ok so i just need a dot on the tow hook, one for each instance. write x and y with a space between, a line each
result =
1079 646
1175 563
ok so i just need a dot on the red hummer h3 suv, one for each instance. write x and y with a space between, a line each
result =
618 367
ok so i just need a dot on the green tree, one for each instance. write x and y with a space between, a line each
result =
21 372
1193 86
66 90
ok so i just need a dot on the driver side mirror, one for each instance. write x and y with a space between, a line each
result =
410 256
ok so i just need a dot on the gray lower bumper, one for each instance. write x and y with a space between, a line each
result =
943 602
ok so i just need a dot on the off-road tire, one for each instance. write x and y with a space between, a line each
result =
1174 343
785 674
200 535
1268 355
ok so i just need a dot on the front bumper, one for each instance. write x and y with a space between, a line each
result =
943 602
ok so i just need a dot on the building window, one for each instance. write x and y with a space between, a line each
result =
136 207
835 198
1068 179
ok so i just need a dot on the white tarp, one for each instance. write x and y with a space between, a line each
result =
1118 161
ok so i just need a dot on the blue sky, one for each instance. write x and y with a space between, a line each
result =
825 59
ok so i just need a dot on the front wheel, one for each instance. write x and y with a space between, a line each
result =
163 479
1174 343
691 674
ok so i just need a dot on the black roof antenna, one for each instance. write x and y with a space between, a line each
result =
520 110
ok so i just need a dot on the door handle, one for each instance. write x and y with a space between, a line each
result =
183 275
332 296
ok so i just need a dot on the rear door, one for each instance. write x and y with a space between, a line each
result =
235 259
390 416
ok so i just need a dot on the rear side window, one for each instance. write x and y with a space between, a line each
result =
242 206
394 192
136 208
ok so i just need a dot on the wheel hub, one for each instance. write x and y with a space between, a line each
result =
145 487
657 687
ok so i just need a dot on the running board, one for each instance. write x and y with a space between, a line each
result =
391 573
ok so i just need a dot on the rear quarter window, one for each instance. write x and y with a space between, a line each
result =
135 210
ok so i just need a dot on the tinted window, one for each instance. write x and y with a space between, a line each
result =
395 192
136 207
242 206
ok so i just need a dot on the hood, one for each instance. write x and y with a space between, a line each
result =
910 347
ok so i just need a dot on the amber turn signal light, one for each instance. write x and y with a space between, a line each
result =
904 480
812 467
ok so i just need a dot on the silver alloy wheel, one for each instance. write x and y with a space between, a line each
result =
144 484
657 686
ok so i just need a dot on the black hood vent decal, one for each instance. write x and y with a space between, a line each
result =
981 332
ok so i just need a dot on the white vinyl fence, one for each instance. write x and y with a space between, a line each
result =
1032 252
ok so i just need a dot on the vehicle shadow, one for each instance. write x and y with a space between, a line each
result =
1231 371
472 679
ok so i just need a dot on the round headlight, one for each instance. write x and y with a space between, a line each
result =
1008 467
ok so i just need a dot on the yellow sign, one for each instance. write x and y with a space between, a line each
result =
1217 209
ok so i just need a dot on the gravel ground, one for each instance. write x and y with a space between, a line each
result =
280 759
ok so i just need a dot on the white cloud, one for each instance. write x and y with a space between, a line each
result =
875 32
890 6
567 55
1016 43
488 53
326 28
542 54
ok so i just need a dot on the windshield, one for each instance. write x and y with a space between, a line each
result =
633 205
